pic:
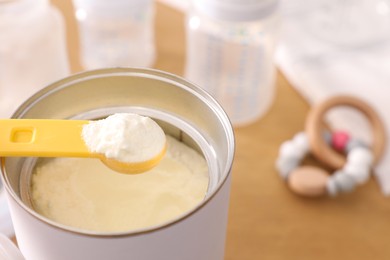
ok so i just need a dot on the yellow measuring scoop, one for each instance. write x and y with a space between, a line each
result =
57 138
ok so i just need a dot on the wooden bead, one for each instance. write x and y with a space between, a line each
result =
308 181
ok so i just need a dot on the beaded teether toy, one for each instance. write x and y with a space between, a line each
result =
353 170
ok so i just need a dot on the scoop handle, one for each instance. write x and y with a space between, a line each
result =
42 138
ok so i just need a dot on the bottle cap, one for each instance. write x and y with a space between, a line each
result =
236 10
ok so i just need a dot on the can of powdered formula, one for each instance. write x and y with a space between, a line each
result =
185 112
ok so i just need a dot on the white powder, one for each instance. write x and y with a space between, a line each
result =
125 137
83 193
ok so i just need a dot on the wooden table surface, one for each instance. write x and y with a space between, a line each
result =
266 220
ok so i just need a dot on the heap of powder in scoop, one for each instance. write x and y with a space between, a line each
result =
125 137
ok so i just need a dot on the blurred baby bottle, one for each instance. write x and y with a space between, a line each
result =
230 48
116 33
32 51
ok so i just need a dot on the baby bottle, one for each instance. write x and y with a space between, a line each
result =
116 33
230 47
32 51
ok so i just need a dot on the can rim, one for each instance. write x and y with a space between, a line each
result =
128 71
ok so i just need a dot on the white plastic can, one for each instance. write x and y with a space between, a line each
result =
183 111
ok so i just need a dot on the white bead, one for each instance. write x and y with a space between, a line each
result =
358 173
285 166
360 156
301 143
343 181
331 187
353 143
287 150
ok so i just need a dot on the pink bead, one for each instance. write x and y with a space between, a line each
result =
340 140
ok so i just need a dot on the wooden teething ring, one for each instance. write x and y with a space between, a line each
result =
314 123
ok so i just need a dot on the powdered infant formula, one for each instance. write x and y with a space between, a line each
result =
86 194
